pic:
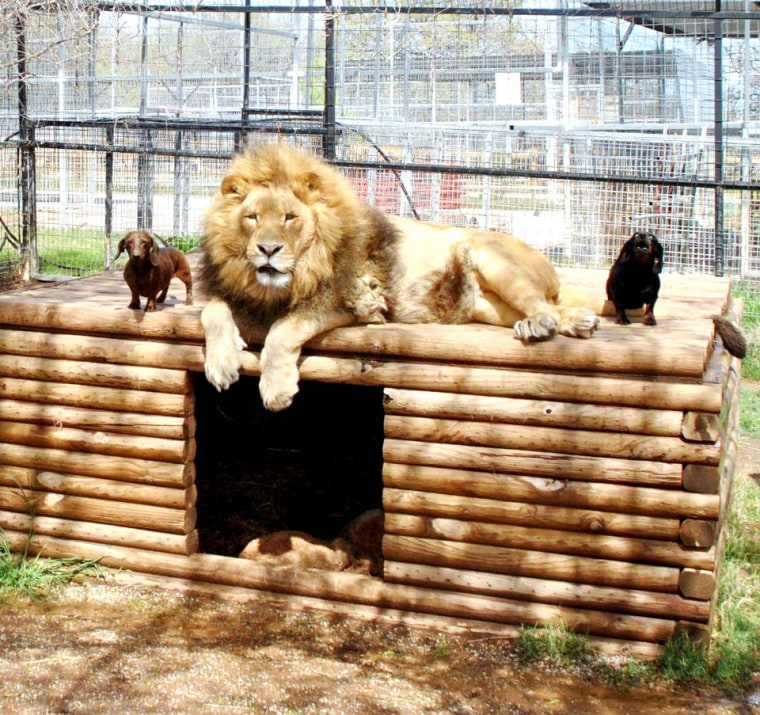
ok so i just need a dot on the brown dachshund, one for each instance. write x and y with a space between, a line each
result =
150 269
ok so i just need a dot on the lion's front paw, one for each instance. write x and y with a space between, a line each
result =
536 328
278 388
224 356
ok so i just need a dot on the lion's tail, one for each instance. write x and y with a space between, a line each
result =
570 298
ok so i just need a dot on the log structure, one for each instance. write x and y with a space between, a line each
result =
581 482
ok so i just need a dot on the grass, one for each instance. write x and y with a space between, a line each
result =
748 292
34 577
82 252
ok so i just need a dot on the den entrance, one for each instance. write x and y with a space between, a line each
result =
314 469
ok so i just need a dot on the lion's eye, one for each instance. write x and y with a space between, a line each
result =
290 217
252 217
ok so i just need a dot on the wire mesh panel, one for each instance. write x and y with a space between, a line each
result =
568 123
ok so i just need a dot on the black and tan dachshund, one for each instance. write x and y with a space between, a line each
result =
634 279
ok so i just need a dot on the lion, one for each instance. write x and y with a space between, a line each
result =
288 244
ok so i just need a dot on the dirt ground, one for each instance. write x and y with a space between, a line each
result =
101 647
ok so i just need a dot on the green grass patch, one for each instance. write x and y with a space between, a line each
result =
749 292
749 412
35 577
83 252
554 645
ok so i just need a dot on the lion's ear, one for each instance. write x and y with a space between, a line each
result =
235 185
310 180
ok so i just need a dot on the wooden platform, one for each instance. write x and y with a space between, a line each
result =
575 481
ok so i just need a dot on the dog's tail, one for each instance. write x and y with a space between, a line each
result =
731 335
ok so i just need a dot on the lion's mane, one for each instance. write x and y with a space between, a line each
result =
346 234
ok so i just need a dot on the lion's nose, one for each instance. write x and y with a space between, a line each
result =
269 249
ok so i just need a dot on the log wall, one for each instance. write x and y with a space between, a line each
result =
575 482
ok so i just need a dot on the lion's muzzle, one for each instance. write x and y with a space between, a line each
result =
273 268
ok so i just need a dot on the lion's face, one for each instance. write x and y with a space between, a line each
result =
277 233
274 226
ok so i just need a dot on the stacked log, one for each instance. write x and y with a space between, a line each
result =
571 482
92 447
603 511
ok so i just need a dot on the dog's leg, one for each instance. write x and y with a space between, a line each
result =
620 317
150 305
224 346
649 318
135 302
184 274
282 348
162 296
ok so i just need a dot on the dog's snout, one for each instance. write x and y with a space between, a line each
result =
269 249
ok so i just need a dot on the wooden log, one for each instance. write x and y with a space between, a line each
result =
557 492
718 363
127 469
698 533
701 478
708 427
552 439
700 427
134 423
640 550
79 372
440 624
100 533
697 584
483 344
533 412
603 598
100 511
353 588
65 345
456 378
532 463
77 485
517 383
728 467
109 398
522 562
98 442
527 514
480 344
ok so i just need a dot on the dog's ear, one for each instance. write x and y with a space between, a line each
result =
120 248
658 253
153 250
235 186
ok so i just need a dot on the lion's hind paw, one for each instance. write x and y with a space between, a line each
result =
580 324
536 328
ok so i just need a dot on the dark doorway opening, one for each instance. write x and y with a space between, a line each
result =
311 468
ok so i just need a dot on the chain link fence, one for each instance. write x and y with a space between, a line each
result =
567 123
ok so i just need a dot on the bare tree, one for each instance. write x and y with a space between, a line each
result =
55 23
